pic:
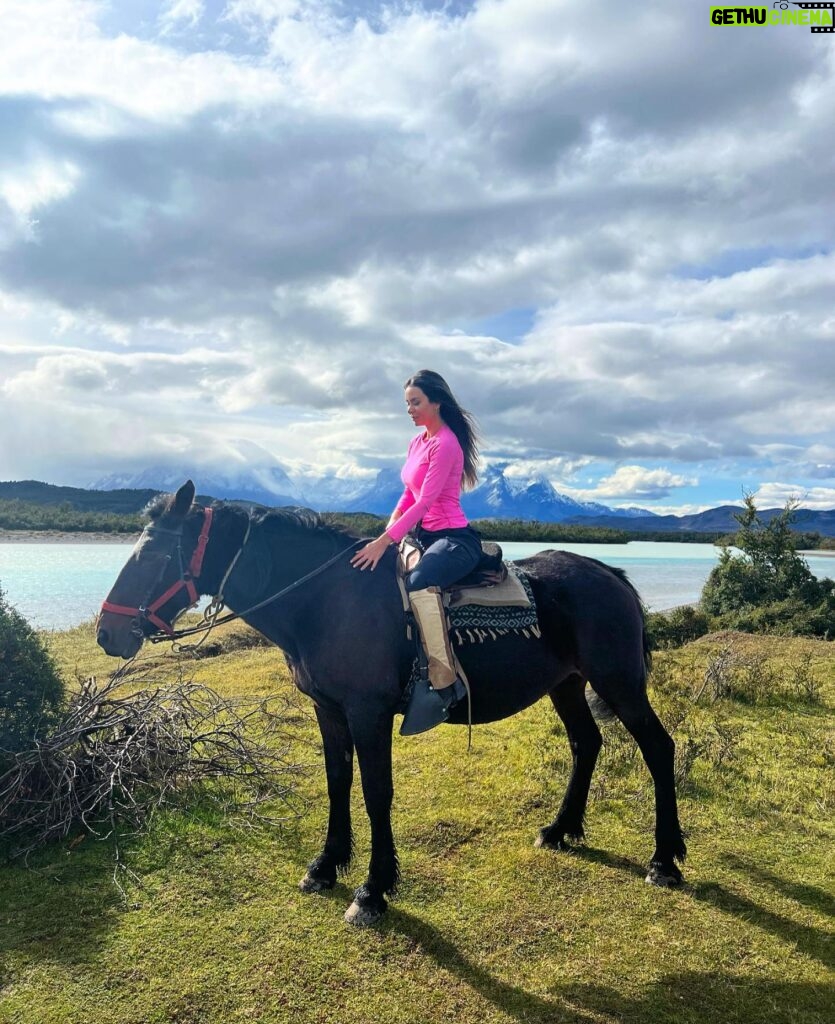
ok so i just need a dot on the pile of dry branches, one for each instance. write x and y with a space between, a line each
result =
126 748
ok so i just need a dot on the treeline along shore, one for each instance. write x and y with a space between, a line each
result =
32 508
30 517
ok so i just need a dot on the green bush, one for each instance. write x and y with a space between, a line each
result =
31 690
790 617
677 627
768 587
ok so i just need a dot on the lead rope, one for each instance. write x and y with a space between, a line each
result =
215 606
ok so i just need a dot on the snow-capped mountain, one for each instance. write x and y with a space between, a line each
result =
238 469
535 498
381 496
266 482
329 492
594 508
266 486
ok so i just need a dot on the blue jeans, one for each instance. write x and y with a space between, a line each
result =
448 556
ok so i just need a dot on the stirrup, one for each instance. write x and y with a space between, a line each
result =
429 707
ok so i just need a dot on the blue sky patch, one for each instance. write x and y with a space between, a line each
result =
511 326
735 261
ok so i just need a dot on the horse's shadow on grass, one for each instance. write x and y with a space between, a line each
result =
686 996
812 941
801 892
610 860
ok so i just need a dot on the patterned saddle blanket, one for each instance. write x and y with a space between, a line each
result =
487 612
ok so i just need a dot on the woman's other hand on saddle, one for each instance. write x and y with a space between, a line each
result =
370 555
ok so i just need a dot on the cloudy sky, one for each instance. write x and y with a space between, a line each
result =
237 223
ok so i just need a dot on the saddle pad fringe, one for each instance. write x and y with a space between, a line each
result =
475 623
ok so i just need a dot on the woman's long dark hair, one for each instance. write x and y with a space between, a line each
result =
459 421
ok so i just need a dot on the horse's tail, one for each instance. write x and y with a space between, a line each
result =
600 710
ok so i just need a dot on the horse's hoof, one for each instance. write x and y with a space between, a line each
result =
312 884
543 842
664 878
360 916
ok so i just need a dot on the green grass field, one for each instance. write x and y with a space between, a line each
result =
486 927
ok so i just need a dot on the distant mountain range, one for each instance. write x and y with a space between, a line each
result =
716 520
270 486
38 493
497 497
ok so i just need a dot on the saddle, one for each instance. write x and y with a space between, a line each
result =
489 572
494 599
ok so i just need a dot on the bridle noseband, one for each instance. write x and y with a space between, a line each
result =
148 612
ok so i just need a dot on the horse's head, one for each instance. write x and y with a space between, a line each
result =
157 582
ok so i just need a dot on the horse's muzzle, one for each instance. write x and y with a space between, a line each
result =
118 642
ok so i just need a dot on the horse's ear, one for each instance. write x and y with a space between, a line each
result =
183 499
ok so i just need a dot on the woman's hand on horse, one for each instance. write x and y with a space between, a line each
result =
370 555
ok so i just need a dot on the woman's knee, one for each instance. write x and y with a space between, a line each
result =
417 580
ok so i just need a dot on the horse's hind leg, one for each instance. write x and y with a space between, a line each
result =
658 750
339 765
569 699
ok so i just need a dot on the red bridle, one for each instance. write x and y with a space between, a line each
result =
186 580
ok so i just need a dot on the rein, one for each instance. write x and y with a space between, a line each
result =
156 638
164 630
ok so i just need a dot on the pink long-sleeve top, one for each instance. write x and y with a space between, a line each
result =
432 475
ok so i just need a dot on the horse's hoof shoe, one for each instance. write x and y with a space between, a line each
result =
659 878
360 916
311 884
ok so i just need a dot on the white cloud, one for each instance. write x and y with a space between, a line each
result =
278 236
74 373
637 483
54 49
177 11
772 494
26 189
558 468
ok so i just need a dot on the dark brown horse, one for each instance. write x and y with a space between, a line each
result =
343 633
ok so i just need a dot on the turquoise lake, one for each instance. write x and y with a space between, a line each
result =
58 585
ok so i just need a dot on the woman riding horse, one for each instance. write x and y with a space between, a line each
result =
287 573
441 460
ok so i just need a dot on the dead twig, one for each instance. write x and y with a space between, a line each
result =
123 750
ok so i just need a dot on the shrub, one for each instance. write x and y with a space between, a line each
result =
677 627
768 587
790 617
739 672
31 690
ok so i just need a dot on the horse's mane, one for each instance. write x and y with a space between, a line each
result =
292 520
286 521
158 506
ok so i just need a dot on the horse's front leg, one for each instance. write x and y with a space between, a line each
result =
372 735
339 765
